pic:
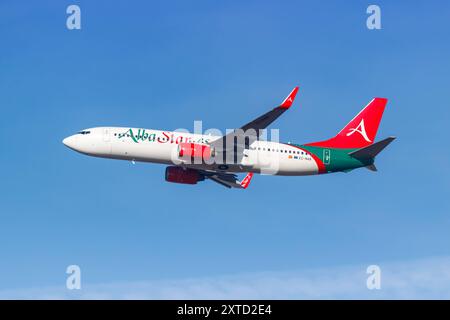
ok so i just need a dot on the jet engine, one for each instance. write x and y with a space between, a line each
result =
183 175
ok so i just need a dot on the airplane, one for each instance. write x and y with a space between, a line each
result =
192 157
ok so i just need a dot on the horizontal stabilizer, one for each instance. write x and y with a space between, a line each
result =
372 167
372 150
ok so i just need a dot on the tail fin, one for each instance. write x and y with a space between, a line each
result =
361 130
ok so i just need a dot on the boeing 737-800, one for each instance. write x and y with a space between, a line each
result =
196 157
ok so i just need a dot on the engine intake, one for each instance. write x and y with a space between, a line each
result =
183 175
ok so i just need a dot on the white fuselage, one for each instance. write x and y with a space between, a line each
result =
147 145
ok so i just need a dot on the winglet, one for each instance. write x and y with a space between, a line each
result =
246 181
289 99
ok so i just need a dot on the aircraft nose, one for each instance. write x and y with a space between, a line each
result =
70 141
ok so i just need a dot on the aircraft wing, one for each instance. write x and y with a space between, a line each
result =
266 119
227 179
254 127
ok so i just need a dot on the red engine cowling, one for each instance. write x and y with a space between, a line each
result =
194 150
183 175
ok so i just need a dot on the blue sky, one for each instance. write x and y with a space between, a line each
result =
163 65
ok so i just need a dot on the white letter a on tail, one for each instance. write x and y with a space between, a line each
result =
361 130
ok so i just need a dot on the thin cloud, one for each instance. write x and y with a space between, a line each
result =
418 279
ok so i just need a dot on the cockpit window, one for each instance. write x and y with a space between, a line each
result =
84 132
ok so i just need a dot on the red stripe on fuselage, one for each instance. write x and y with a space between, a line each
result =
320 164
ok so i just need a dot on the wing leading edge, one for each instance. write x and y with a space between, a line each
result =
266 119
254 127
